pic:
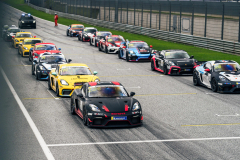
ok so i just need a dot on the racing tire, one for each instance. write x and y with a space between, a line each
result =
49 84
90 42
37 75
73 108
119 55
214 85
22 54
18 51
152 66
82 39
71 34
127 58
99 48
106 50
79 38
67 33
165 70
195 79
95 44
29 58
85 118
33 71
57 91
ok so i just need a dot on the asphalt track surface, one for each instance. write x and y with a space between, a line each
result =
181 121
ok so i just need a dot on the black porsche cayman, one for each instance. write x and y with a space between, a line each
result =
106 104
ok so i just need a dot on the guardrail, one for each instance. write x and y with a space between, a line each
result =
203 42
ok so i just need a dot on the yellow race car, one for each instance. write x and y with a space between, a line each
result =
24 47
19 37
67 77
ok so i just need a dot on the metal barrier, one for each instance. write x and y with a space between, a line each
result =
203 42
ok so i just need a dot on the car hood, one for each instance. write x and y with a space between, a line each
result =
232 76
77 78
140 50
113 104
28 45
50 66
43 51
183 62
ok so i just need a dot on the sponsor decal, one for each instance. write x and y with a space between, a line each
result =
117 114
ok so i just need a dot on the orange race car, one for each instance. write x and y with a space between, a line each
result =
74 29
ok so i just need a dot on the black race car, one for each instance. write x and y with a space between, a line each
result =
97 36
27 20
173 62
86 33
10 33
106 104
45 63
221 76
4 29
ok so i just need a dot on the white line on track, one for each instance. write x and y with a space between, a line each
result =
124 69
52 95
38 135
145 141
235 115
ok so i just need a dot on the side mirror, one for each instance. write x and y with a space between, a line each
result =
20 43
80 95
161 56
150 46
191 57
95 72
31 49
132 94
59 49
124 47
207 70
35 61
69 60
54 73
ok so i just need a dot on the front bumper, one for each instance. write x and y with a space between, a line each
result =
43 74
180 70
28 25
106 120
146 57
26 53
229 87
113 49
66 91
16 44
9 38
86 39
75 34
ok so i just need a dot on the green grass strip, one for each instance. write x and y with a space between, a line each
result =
199 53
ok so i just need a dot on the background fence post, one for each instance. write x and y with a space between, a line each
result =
205 26
127 12
109 11
222 22
121 11
116 11
99 10
142 16
170 8
104 10
159 16
150 15
192 19
180 22
90 8
134 12
239 28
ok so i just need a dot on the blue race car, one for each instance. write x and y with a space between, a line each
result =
135 51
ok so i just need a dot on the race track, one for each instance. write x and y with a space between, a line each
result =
181 121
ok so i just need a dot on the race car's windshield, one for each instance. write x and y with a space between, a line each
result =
77 26
90 30
224 67
177 55
78 29
103 34
27 18
32 41
74 70
107 91
13 30
113 39
52 59
138 45
45 47
23 35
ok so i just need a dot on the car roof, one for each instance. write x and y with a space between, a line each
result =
25 32
78 24
224 61
13 27
105 31
174 50
73 64
32 39
114 36
90 28
44 43
99 83
135 41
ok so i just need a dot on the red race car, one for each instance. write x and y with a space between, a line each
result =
40 48
111 44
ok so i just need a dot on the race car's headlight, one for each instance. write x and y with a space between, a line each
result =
41 67
25 48
171 63
222 78
63 82
136 106
34 21
94 108
22 21
73 30
110 45
131 52
16 40
85 35
96 80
